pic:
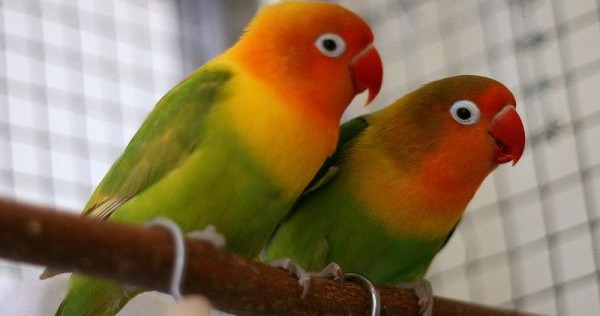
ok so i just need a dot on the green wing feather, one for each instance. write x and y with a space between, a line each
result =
160 145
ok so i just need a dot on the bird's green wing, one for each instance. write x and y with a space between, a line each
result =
166 138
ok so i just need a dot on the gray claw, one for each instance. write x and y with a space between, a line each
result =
294 269
331 271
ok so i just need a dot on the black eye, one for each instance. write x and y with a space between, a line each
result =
331 45
465 112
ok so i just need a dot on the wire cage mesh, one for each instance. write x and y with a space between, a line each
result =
78 77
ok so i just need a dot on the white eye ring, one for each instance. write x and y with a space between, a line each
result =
465 112
331 45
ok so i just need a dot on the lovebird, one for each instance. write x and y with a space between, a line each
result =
235 143
390 198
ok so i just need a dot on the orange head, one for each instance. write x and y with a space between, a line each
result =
436 145
319 53
455 130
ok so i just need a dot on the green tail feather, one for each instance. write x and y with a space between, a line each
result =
89 296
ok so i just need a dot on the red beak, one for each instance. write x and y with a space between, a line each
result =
507 130
367 72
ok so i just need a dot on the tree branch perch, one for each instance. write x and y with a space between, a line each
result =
144 257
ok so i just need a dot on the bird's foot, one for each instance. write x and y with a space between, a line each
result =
424 292
296 270
332 271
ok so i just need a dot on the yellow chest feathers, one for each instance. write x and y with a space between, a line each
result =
289 139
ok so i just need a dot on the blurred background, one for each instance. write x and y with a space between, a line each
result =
77 77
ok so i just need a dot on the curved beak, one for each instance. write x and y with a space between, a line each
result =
367 72
507 129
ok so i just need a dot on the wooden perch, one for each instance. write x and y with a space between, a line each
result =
144 257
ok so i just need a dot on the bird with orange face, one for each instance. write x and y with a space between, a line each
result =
235 143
